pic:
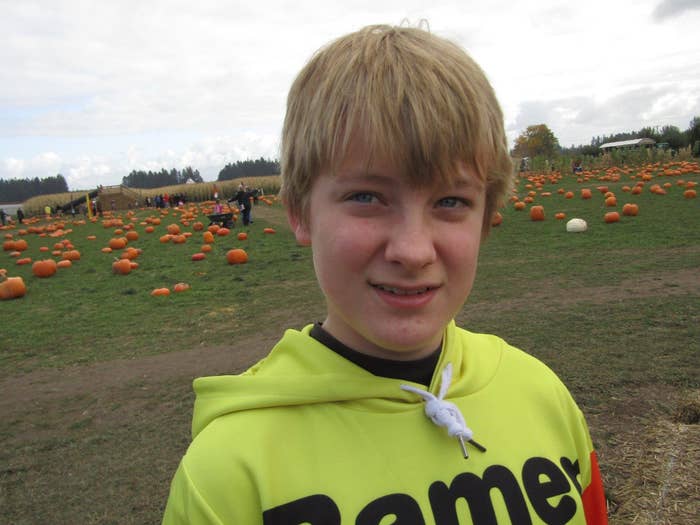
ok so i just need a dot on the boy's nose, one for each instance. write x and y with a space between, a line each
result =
410 244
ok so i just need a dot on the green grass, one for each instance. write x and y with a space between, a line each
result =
87 313
614 311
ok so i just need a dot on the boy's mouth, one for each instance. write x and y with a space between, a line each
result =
403 291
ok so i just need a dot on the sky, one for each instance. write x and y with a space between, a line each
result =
95 90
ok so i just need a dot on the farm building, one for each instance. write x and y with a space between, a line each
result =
117 197
628 144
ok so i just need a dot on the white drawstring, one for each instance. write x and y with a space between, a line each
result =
444 413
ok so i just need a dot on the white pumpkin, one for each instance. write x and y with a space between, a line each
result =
576 226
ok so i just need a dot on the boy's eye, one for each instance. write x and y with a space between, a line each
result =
363 197
453 202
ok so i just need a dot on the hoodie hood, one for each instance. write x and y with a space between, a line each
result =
301 371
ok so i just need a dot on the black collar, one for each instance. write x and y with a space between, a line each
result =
418 370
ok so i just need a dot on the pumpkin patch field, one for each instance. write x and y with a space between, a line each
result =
97 356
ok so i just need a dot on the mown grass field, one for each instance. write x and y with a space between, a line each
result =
96 373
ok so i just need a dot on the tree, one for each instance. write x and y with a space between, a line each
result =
673 137
537 140
693 135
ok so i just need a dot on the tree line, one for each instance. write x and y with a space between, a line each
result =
539 140
157 179
249 168
19 190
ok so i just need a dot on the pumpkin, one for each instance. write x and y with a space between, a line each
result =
149 229
496 220
272 230
21 245
71 255
8 246
12 288
117 243
560 215
630 209
206 248
237 256
222 232
106 249
520 205
690 193
161 291
179 239
173 229
44 268
199 256
181 287
91 237
198 226
213 228
130 253
611 217
586 193
569 195
24 260
121 266
64 263
208 237
611 202
131 235
242 236
576 226
537 213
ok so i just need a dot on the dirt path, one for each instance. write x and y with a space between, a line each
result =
75 380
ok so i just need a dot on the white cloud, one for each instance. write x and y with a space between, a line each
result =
673 8
115 86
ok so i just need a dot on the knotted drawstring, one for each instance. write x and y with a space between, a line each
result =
446 414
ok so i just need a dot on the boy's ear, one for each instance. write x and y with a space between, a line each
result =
300 229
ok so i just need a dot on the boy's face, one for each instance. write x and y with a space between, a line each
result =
395 262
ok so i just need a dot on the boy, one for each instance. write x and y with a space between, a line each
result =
394 158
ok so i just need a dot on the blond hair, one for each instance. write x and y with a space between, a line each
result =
410 95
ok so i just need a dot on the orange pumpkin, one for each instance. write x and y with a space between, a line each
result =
199 256
496 220
131 235
690 193
630 209
272 230
24 260
586 193
117 243
161 291
611 217
237 256
208 237
173 229
12 288
64 263
520 205
21 245
560 215
121 266
44 268
206 248
181 287
537 213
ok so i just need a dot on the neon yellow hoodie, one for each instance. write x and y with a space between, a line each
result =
306 436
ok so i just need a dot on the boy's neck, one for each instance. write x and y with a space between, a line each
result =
418 370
